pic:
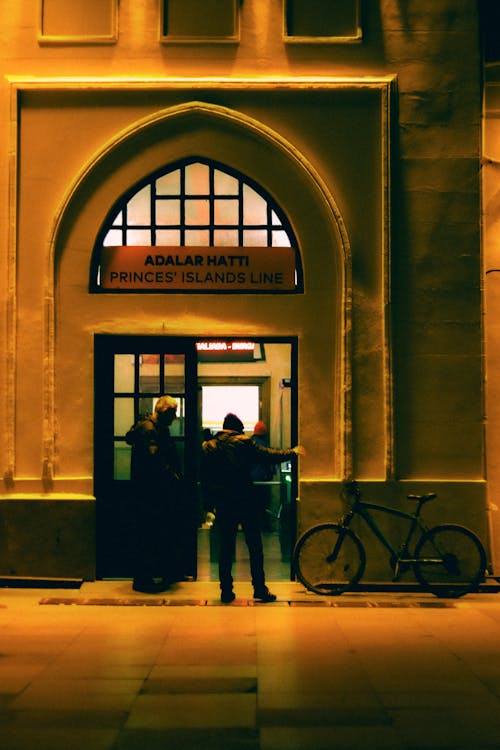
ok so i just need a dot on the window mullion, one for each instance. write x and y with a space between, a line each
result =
269 214
211 206
182 198
137 397
124 224
162 374
240 213
152 196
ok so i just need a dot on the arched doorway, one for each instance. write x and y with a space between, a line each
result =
194 226
263 166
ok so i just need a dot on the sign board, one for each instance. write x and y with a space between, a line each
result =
228 351
213 269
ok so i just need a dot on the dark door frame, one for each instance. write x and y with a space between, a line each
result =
105 347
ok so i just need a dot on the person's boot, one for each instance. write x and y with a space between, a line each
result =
227 596
147 586
264 595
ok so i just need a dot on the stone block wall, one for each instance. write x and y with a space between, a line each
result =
434 371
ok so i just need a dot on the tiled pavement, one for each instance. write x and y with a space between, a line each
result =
112 670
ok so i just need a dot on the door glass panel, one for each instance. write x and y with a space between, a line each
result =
174 374
124 373
177 426
149 373
175 359
124 415
146 405
121 469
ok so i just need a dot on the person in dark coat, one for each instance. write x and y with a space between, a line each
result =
227 465
156 479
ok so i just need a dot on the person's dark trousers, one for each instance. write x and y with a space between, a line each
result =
154 538
148 547
227 523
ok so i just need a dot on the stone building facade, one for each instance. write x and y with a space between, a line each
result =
360 125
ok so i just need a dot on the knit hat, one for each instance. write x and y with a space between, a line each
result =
232 422
260 428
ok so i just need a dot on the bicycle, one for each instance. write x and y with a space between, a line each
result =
448 560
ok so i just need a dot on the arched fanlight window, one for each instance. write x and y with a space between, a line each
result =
185 210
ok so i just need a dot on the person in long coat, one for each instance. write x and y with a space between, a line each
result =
156 479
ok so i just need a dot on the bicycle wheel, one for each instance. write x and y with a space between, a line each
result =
314 563
451 560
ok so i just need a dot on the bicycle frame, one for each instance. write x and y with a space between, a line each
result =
447 559
362 509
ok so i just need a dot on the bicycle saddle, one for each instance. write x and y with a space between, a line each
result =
422 498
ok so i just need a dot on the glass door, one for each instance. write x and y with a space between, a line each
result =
131 373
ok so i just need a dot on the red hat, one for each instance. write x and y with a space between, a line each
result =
260 428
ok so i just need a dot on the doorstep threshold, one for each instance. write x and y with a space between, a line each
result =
39 582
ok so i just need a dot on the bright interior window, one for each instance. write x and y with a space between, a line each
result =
219 400
197 204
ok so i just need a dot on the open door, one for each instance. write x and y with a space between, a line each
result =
257 381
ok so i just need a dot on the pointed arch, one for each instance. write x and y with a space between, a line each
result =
172 119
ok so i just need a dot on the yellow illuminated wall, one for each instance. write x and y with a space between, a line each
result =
368 138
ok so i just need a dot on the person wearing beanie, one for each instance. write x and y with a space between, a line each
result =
232 423
228 459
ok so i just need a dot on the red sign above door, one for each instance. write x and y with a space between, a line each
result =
213 269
